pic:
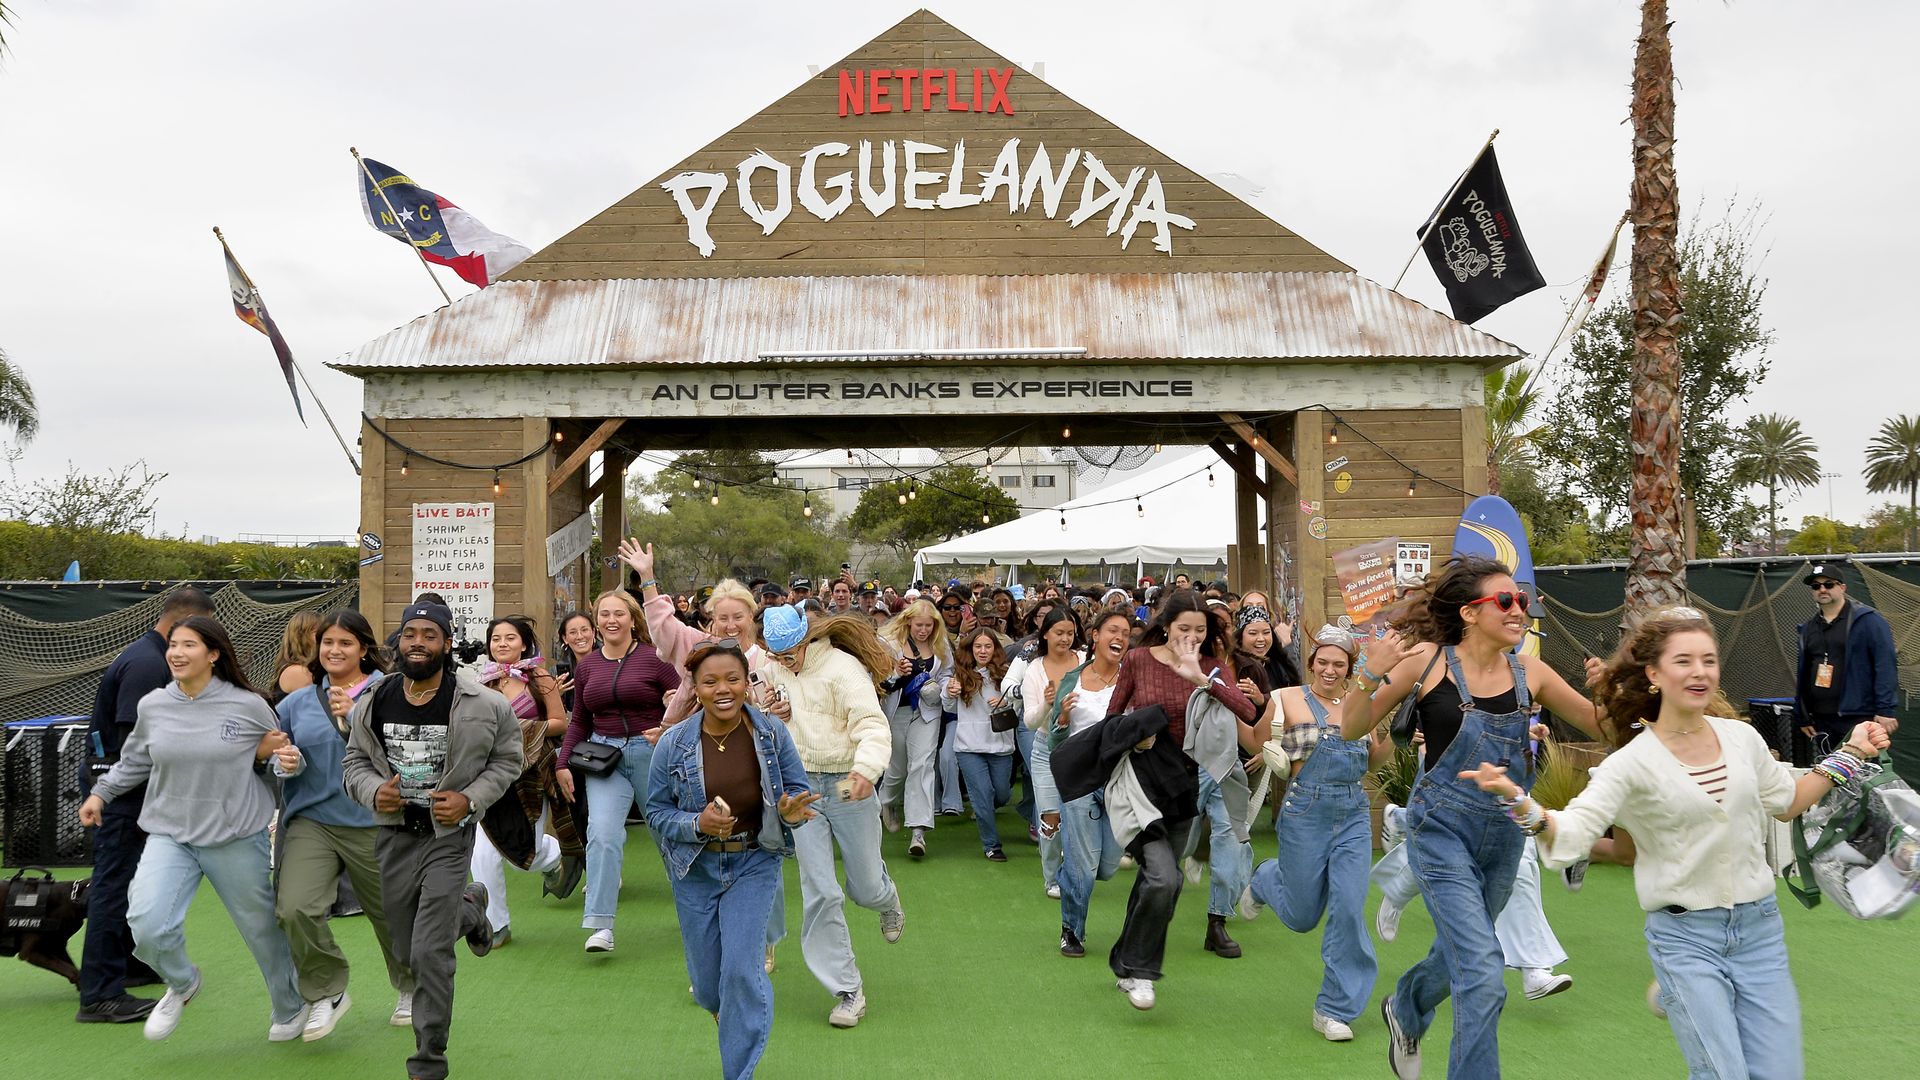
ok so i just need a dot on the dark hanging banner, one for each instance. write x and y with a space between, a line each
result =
1475 245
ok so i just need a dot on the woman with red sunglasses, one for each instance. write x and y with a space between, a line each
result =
1457 639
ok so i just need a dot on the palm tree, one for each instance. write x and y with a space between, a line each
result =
1657 568
1510 438
1893 462
17 408
1774 452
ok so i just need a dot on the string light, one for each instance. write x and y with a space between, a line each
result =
806 507
913 490
1066 433
405 463
1209 476
1409 487
1157 448
986 518
903 498
696 481
1333 437
559 436
1063 521
714 499
1139 507
496 482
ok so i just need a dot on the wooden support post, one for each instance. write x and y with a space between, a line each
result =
1261 446
1310 556
536 598
1283 519
1246 570
373 514
578 459
1473 451
613 515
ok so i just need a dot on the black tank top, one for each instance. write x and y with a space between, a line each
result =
1439 714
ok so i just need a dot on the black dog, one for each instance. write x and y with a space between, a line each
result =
40 914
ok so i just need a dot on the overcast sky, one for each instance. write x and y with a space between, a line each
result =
131 127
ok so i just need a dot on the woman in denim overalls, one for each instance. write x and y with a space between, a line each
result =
1326 841
1461 844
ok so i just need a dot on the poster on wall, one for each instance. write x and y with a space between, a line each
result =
1366 581
453 556
1412 564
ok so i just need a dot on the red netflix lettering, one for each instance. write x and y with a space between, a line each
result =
907 75
954 102
853 92
1000 102
930 85
877 91
976 89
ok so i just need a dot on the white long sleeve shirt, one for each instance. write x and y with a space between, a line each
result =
1691 850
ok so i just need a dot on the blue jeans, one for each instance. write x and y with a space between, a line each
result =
1465 862
1036 749
990 786
1091 854
1229 862
724 903
1326 842
609 798
855 827
1727 991
163 888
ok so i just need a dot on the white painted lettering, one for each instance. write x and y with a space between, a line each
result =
697 216
840 182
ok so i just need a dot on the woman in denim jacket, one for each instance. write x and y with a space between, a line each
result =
723 825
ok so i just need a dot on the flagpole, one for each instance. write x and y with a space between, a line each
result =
254 295
1576 305
1428 231
408 233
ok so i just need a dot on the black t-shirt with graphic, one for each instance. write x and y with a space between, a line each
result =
415 740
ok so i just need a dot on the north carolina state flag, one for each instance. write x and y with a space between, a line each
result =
443 232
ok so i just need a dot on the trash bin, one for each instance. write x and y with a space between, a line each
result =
42 793
1773 719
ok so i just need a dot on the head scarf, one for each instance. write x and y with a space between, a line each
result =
1252 613
1332 635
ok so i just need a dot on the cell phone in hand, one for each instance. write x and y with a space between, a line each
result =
844 789
720 804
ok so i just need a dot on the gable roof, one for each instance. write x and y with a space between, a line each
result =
647 235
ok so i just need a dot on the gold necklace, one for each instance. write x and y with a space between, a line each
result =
720 741
419 697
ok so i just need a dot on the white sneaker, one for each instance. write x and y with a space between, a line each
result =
1193 868
322 1015
292 1029
1393 827
1403 1053
917 843
892 922
1249 907
849 1009
1139 992
600 941
1386 921
166 1015
1053 891
1543 982
402 1011
1334 1030
890 818
1575 876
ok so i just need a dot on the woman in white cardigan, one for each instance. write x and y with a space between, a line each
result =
1695 791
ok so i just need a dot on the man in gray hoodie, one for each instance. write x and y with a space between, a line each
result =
429 752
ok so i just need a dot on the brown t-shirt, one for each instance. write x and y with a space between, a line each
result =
733 774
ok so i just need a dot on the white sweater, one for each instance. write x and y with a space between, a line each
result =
973 730
1691 850
836 722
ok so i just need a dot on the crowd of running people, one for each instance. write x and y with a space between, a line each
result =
1144 727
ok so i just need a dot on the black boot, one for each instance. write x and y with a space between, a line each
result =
1218 943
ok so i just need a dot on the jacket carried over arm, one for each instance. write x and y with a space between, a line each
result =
484 755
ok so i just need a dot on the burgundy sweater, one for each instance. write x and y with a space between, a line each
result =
618 708
1145 681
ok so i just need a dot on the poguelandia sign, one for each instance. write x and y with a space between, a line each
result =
907 174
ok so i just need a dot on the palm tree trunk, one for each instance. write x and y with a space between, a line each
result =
1913 516
1773 523
1657 570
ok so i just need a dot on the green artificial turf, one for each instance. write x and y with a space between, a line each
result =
975 988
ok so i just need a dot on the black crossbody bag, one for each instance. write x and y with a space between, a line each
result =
1403 720
597 758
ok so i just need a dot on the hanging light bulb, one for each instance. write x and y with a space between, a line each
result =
986 518
714 499
1066 433
806 508
913 490
1256 442
1333 437
1063 522
903 498
696 481
405 462
559 436
496 481
1209 476
1139 507
1409 487
1157 448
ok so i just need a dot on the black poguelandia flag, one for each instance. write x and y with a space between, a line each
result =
1475 246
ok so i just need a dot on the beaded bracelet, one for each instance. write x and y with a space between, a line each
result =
1840 767
650 583
1532 821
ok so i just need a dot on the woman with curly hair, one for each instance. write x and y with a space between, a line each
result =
922 659
1696 796
1474 708
972 693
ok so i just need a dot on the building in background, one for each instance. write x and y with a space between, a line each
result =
1033 476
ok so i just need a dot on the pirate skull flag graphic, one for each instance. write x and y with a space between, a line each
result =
1475 246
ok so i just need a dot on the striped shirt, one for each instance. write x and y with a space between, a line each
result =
1711 778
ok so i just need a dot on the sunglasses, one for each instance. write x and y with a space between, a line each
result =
1507 601
1822 585
949 607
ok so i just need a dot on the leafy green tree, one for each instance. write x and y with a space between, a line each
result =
1822 536
19 412
1886 528
949 502
758 530
1893 464
1774 453
1723 344
1513 438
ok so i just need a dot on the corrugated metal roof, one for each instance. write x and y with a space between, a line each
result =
709 321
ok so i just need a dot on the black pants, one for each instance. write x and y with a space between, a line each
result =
107 953
1142 944
1830 731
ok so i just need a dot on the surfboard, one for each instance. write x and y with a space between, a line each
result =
1491 527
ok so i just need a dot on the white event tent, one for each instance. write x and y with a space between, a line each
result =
1187 520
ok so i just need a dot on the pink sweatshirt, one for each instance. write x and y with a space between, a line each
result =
675 641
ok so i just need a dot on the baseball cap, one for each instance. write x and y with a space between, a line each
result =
870 588
783 627
1820 571
437 614
801 582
